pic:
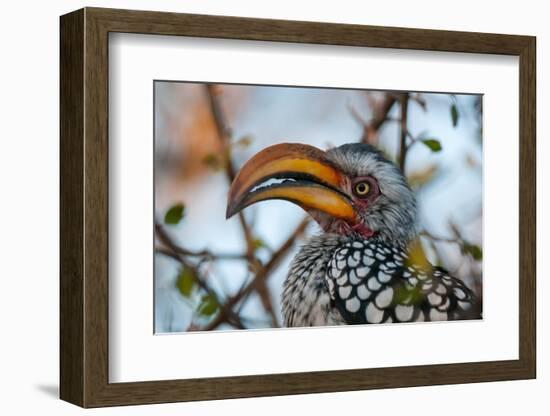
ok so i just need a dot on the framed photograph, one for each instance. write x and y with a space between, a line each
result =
257 207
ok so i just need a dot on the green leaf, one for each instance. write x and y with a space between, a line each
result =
413 296
186 281
258 243
421 177
417 256
244 142
454 114
209 305
212 161
174 214
433 144
473 250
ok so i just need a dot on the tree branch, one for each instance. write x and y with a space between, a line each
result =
404 102
172 251
429 235
209 254
260 277
380 115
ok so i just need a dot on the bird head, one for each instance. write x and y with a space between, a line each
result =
351 189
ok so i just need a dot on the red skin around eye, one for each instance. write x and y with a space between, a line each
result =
342 227
362 203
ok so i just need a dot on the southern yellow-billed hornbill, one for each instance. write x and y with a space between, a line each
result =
365 267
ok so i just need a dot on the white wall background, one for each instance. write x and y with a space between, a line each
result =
29 206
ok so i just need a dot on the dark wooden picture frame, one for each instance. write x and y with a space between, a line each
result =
84 207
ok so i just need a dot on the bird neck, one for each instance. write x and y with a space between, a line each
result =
402 240
396 235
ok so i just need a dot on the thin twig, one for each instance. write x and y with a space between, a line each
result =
404 101
210 255
380 115
420 100
355 114
413 140
429 235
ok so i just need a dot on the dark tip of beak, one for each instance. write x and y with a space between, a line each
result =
233 208
229 212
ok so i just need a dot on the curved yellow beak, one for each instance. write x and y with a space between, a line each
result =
298 173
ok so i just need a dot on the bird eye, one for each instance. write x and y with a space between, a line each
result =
362 188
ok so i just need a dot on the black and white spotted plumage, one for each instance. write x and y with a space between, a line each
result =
341 280
370 281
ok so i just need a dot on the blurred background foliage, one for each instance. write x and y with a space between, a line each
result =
218 274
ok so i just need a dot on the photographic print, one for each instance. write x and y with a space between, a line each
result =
290 206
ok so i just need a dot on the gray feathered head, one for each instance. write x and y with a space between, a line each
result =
351 189
391 205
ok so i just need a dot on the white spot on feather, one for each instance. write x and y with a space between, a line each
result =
368 261
464 305
383 277
384 298
342 280
435 315
361 271
373 314
403 312
459 293
344 291
353 279
434 298
352 262
363 292
441 289
353 304
373 284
